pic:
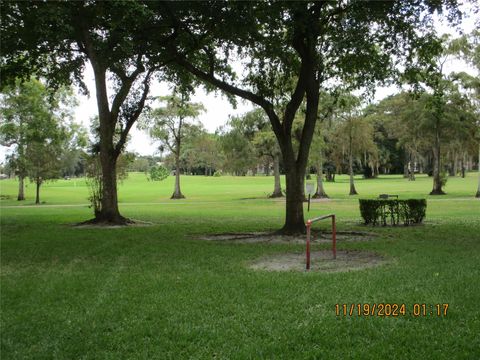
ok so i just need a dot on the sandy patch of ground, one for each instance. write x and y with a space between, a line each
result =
321 261
262 237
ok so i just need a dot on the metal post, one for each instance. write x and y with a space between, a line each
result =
334 237
308 209
309 224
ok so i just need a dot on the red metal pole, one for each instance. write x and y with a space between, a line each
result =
309 224
334 237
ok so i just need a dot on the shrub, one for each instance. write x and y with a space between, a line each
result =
158 173
384 211
217 173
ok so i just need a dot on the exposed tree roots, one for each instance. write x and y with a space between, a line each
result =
177 196
117 221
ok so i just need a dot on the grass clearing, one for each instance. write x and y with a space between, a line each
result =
157 292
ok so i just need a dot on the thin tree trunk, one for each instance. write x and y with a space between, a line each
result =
411 171
455 164
177 194
37 195
320 194
451 169
353 191
437 182
330 175
21 188
277 190
412 174
478 165
266 168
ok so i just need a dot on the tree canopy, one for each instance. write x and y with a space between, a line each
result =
37 126
290 50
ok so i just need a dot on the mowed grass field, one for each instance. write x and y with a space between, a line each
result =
157 292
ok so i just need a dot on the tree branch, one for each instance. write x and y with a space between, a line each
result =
97 65
127 82
295 100
312 88
245 94
136 113
170 146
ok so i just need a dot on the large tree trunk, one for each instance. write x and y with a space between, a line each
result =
109 212
478 164
296 164
177 193
437 182
320 194
294 221
277 190
21 188
37 194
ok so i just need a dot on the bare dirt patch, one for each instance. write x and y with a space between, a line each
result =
321 261
130 223
263 237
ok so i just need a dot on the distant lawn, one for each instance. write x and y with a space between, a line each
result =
157 292
137 189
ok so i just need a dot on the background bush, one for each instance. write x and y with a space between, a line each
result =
158 173
383 211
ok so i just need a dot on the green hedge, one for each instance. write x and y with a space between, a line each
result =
394 212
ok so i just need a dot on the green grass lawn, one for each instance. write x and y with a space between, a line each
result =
157 292
136 189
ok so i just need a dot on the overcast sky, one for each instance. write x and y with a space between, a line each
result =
218 108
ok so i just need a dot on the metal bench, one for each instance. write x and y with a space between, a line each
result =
386 196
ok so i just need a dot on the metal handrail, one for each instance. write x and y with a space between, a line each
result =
334 237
